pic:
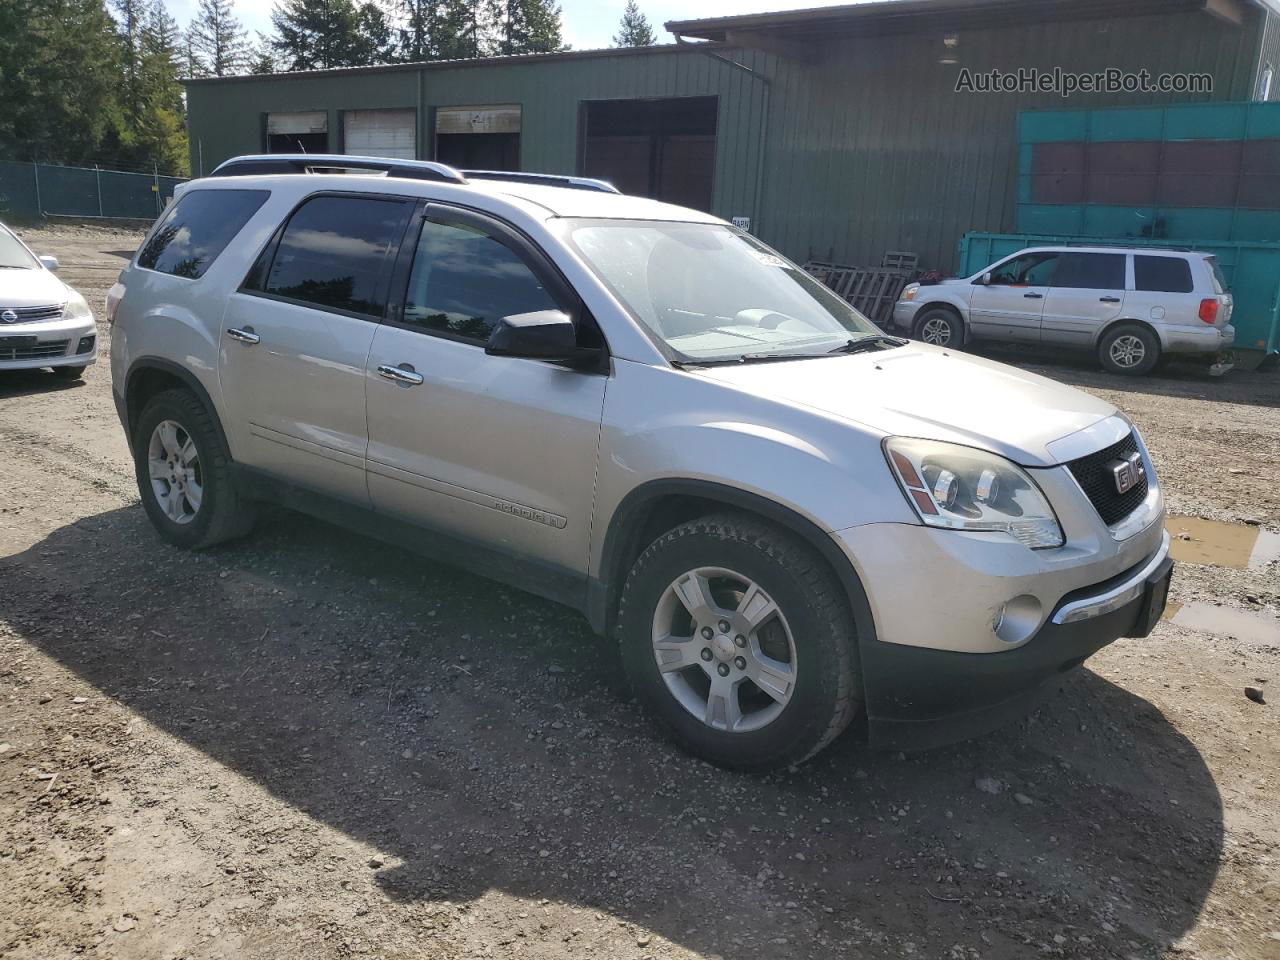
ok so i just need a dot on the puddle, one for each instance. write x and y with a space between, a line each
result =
1225 622
1236 545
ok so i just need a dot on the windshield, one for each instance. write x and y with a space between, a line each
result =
13 255
711 292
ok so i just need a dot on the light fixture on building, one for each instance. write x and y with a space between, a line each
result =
950 42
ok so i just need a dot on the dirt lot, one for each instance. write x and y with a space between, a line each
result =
309 745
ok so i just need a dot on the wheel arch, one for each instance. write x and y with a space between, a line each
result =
1130 322
655 507
149 376
946 305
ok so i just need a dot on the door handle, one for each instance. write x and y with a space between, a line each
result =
404 374
1034 296
244 336
1108 299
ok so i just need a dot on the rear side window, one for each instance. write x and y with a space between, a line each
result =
196 229
464 281
1090 271
1162 274
335 253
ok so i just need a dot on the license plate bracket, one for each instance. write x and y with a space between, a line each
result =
1155 597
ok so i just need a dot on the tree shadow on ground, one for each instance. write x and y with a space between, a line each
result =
484 739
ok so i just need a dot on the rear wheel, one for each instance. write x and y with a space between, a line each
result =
1129 349
737 639
184 474
940 327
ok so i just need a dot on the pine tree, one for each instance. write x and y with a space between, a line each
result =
218 38
160 135
58 84
262 56
373 32
416 35
317 34
522 26
460 30
543 18
634 29
130 16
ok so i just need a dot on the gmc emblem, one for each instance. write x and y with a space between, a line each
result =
1127 473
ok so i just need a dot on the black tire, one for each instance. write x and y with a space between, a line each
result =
934 320
1109 352
69 373
222 514
827 689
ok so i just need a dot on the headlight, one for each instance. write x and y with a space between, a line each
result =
77 308
961 488
910 290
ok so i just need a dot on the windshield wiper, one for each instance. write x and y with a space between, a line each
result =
873 342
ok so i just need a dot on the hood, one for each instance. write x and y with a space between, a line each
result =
30 288
930 392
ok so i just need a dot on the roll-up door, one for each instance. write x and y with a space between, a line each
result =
380 133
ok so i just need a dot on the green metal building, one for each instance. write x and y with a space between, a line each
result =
836 133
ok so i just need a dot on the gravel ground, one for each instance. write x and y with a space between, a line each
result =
310 745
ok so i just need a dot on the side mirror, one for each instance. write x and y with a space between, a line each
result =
50 263
984 280
541 335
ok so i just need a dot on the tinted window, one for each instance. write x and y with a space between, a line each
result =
464 280
335 253
1162 274
1028 270
190 236
1090 271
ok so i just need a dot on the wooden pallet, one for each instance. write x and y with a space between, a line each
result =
872 291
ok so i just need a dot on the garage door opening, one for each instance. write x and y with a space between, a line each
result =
479 138
664 149
380 133
298 132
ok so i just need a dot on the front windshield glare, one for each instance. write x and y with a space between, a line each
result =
13 255
711 292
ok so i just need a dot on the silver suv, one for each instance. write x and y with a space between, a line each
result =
1129 306
784 517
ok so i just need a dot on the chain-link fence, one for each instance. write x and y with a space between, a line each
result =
33 190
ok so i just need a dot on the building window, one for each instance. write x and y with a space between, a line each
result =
1264 85
298 132
665 149
479 137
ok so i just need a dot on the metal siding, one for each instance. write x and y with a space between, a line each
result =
866 145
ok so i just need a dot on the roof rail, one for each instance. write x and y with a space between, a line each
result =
272 163
542 179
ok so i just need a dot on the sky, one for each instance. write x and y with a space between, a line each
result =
588 24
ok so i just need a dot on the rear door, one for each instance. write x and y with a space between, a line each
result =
296 337
1010 305
1088 292
498 450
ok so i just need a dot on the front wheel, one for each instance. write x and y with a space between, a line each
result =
1129 350
184 474
939 327
739 641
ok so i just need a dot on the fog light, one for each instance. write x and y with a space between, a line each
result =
85 345
1018 620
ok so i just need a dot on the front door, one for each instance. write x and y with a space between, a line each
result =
500 451
1009 306
1088 293
296 338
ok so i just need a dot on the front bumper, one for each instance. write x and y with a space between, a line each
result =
49 343
919 698
904 314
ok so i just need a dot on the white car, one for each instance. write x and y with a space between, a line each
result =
1129 306
43 322
785 518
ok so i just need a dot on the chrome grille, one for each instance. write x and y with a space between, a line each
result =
28 314
20 348
1095 479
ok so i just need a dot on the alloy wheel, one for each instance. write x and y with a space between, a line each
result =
1127 351
174 468
724 649
937 331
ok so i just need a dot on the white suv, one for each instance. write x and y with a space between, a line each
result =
1129 306
784 517
43 322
